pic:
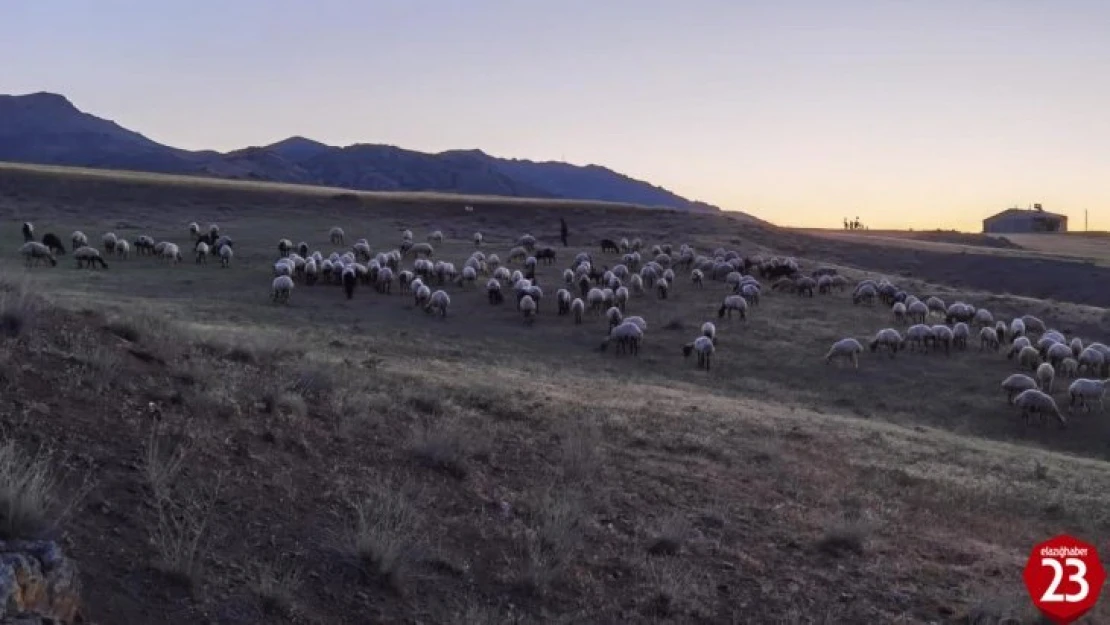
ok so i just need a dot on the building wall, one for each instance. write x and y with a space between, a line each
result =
1018 223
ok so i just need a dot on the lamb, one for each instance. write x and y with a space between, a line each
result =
1015 384
731 303
1033 401
614 316
28 232
439 301
34 252
628 337
1046 374
336 235
1029 357
577 307
201 251
478 239
89 257
709 331
704 347
280 289
988 337
1085 390
697 277
527 307
226 254
78 239
888 338
845 349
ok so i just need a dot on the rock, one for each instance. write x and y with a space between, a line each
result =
38 584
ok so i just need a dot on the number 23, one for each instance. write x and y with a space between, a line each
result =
1080 577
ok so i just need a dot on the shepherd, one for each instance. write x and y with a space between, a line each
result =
563 230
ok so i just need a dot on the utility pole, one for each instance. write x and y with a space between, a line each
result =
1084 220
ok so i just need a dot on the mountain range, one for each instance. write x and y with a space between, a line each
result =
46 128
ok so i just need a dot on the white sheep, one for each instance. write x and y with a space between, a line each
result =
704 347
899 312
731 303
614 316
34 252
123 248
1015 384
697 277
1085 390
888 338
527 307
421 294
919 335
1019 344
226 254
1046 374
662 287
1091 360
943 335
478 239
983 317
1029 357
960 335
577 307
638 322
1033 401
628 337
439 301
1069 368
988 337
280 289
1017 328
1056 353
493 292
596 299
917 311
89 257
201 252
109 243
171 253
709 331
336 235
436 237
845 349
78 239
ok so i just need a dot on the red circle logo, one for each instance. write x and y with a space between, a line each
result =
1064 578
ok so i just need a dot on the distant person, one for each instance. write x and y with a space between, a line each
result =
563 230
845 223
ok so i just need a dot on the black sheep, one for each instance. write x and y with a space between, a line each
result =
52 241
609 245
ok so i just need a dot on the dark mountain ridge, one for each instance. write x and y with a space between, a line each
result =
46 128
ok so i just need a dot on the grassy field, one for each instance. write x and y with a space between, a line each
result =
336 461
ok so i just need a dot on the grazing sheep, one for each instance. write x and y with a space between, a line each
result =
614 316
1029 357
917 311
1085 390
865 294
1076 346
1069 368
78 239
53 243
1032 324
988 337
171 252
919 335
577 307
1091 360
421 295
1015 384
1056 353
960 335
123 248
280 289
109 243
697 277
888 338
731 303
336 236
436 237
1017 328
983 317
284 247
596 298
213 232
33 253
439 301
1033 401
1046 374
421 249
89 257
1019 344
899 312
201 252
527 307
845 349
704 348
493 291
662 287
638 322
628 337
194 230
226 254
28 232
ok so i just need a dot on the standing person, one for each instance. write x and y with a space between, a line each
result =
563 230
845 223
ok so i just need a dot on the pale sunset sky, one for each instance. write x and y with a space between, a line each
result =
918 114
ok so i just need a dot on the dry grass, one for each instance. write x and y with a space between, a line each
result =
276 584
161 466
29 493
181 534
386 537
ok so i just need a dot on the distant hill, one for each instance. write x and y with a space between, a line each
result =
46 128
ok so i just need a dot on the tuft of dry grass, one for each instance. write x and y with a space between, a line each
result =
549 546
29 504
845 536
160 466
385 536
17 309
276 584
181 536
442 445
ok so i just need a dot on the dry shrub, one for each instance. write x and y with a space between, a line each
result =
161 466
550 545
180 534
385 535
29 504
276 584
18 307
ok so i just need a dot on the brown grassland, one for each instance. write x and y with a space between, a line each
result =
334 461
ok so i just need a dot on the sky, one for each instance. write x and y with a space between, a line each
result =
908 114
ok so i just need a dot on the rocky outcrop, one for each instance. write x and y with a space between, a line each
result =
38 585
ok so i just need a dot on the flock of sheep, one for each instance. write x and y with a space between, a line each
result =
606 291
